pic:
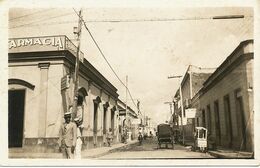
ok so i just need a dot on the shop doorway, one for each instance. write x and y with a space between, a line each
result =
16 101
227 111
112 121
105 121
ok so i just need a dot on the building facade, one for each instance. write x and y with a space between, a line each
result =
225 103
126 120
41 85
192 82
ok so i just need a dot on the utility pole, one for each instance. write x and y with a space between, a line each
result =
180 90
171 105
77 31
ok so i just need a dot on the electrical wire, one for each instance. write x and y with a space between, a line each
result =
103 55
128 20
30 14
40 20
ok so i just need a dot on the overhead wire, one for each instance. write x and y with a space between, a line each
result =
40 20
30 14
126 20
103 55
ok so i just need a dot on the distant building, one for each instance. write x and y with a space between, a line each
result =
192 82
225 103
41 72
126 120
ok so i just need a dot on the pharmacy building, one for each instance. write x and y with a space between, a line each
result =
41 88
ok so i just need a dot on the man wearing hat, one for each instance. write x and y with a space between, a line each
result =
67 137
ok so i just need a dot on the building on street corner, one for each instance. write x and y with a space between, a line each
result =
41 82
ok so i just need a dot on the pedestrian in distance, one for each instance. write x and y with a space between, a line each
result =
109 137
125 135
140 138
151 134
67 137
77 154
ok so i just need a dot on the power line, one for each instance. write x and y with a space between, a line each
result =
171 19
40 20
84 23
130 20
30 14
45 23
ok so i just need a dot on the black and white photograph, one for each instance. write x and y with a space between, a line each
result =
123 84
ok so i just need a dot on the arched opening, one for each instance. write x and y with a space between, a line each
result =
113 119
105 106
16 110
96 102
82 93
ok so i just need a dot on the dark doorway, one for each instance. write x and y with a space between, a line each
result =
209 119
105 121
217 122
228 119
241 121
203 119
95 124
95 118
112 121
16 100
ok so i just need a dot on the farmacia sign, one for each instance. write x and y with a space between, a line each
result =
36 41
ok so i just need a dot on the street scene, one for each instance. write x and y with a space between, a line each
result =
131 83
149 150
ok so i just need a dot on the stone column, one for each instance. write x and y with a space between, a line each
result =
44 68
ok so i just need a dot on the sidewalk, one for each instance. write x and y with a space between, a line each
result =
19 153
230 154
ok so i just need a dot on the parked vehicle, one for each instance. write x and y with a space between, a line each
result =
201 139
165 135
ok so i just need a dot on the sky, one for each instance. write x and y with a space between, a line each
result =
146 51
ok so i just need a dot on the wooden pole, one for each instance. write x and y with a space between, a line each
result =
76 74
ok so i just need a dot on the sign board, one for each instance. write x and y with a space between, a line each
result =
45 43
65 82
32 44
190 112
136 121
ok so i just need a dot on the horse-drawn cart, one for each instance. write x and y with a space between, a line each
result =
165 135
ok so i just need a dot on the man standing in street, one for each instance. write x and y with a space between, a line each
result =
67 137
77 154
